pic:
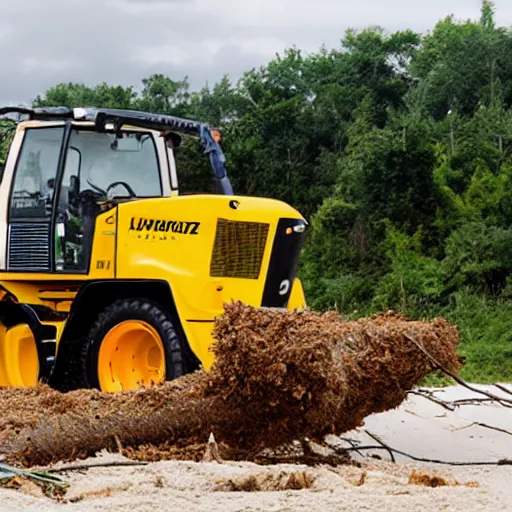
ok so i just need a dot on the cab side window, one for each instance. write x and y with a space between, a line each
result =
69 246
34 182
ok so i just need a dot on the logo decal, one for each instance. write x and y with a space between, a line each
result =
159 226
284 287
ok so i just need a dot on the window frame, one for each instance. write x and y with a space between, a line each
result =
64 139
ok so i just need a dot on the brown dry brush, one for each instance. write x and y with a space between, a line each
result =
278 376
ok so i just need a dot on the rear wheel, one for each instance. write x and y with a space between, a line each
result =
132 343
19 358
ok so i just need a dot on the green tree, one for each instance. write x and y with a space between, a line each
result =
80 95
461 65
163 95
7 130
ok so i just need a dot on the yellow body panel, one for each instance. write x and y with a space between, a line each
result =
183 259
103 258
39 292
297 298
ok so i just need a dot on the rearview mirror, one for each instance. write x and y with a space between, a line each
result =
126 143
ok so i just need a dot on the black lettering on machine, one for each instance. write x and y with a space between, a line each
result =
142 224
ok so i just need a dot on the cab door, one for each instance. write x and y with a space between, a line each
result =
30 212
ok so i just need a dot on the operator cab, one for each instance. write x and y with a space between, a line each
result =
67 166
97 170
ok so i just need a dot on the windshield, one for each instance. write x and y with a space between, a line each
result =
102 162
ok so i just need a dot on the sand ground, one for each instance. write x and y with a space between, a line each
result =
418 427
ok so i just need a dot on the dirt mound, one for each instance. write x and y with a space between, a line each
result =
278 376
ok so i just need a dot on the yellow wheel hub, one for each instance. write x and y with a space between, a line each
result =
131 355
19 362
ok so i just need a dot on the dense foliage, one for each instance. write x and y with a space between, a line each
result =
396 147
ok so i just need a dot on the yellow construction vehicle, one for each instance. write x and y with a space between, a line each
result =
109 277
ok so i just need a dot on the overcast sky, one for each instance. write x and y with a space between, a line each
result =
43 42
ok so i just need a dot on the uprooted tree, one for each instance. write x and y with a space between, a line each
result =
278 376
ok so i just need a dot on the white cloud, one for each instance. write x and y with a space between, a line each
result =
123 41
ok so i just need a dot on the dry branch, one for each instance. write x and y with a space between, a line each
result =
439 366
386 447
94 465
485 425
382 443
446 405
503 388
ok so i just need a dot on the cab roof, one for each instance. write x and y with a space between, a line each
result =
209 138
118 117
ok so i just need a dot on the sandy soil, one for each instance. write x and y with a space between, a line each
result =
192 486
418 426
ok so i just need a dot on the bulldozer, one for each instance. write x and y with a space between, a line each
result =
111 277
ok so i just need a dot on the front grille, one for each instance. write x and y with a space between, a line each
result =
238 249
29 247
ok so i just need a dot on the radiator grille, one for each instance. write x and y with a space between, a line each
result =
29 247
238 249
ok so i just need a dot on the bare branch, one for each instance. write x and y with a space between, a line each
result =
384 445
81 467
503 401
501 462
484 425
503 388
428 396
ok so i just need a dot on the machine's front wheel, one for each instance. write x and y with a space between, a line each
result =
132 343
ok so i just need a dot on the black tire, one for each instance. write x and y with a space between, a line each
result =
131 309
